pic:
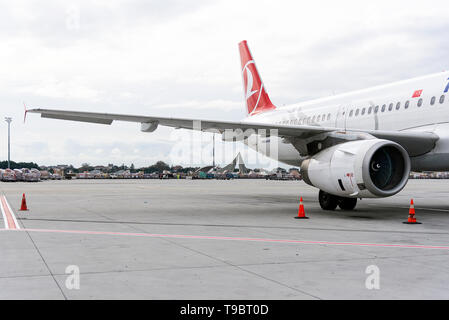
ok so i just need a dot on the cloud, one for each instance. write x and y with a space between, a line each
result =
217 105
74 88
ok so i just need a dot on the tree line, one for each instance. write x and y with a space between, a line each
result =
18 165
159 166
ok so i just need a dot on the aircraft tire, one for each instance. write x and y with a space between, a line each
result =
347 204
327 200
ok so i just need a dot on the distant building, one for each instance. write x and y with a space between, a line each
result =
231 167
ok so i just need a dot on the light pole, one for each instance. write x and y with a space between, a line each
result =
213 151
8 120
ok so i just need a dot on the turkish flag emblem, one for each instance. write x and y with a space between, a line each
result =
417 94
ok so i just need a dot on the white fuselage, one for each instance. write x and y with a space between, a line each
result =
387 107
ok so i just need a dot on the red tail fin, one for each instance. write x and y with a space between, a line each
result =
257 100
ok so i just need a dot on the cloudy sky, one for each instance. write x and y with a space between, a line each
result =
180 58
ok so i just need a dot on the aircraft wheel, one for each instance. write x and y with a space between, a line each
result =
347 203
327 200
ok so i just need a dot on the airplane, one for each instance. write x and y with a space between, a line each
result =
361 144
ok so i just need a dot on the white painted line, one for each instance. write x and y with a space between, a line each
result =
8 214
5 221
12 213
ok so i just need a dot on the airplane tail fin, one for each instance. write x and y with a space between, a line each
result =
257 100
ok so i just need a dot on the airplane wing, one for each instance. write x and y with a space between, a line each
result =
414 142
179 123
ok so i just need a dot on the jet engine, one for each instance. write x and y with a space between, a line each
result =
149 126
371 168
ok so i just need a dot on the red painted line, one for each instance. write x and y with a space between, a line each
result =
11 224
179 236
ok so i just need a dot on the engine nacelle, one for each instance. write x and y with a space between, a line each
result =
148 126
360 169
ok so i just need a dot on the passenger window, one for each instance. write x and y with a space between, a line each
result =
383 107
351 112
363 111
323 117
376 109
390 107
328 116
313 119
432 101
398 105
318 118
442 98
370 109
357 112
420 102
407 103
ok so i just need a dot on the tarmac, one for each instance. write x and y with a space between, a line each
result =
208 239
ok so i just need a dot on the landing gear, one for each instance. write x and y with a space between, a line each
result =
327 200
347 204
330 202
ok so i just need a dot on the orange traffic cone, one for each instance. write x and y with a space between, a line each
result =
411 214
23 207
301 213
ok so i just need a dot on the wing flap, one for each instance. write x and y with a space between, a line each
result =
76 118
416 143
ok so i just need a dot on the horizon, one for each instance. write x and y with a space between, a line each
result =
122 165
